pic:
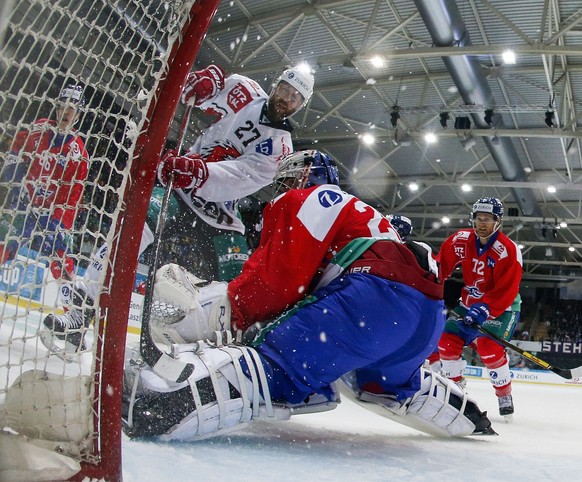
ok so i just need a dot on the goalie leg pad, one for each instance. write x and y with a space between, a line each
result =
185 310
439 408
217 398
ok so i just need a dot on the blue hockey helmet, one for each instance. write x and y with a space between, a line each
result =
402 224
308 168
490 205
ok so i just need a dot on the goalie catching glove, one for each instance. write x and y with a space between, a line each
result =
202 85
187 309
190 172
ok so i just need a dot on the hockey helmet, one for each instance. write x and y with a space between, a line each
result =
306 168
402 224
490 205
73 94
300 79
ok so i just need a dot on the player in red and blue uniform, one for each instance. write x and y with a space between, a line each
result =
492 267
44 174
335 293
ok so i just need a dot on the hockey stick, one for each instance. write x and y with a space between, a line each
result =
162 364
567 373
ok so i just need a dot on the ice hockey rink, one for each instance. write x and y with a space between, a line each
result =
544 441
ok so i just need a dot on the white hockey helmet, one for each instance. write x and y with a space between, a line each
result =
73 94
300 79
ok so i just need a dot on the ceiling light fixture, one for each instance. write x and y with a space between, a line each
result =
550 119
378 61
368 139
508 57
430 137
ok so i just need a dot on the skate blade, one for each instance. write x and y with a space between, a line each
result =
486 431
65 351
508 418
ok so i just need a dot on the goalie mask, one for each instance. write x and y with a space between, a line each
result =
304 169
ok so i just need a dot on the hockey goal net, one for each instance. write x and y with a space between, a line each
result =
60 416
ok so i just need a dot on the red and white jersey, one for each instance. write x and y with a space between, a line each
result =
243 148
57 168
302 230
490 274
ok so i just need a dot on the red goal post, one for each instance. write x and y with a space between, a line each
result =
60 417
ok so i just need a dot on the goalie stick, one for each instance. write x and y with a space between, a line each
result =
162 363
567 373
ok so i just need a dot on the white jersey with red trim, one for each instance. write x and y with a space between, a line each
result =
491 274
242 150
321 220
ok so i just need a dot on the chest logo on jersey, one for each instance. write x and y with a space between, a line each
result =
329 198
265 147
500 249
238 97
460 251
474 292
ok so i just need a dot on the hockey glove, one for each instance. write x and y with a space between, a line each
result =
478 313
53 240
190 172
62 267
202 85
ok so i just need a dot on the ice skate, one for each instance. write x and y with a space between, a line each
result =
64 334
506 408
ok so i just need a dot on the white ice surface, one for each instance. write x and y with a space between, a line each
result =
544 443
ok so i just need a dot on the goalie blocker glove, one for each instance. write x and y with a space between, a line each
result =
190 172
203 85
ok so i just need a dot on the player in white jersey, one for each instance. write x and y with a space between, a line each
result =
233 158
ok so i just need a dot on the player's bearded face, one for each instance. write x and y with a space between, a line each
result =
284 102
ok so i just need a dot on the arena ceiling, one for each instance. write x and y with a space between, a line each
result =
388 72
